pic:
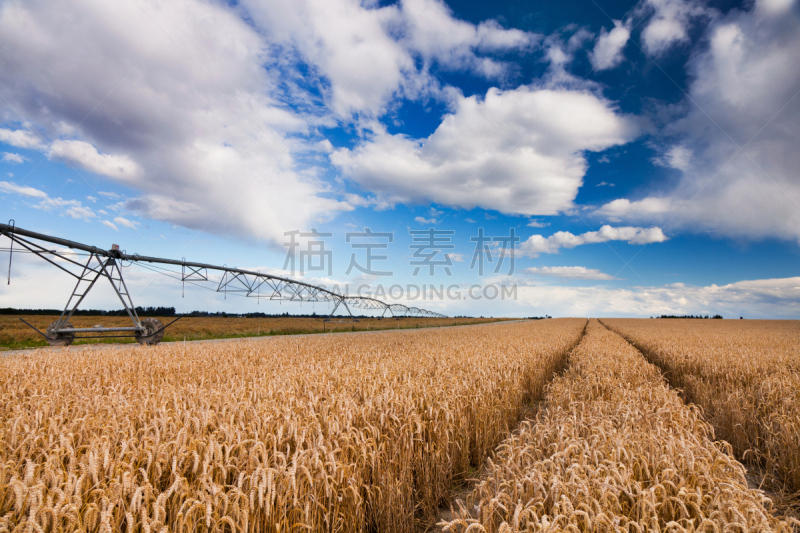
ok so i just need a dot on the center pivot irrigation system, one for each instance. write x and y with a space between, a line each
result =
107 264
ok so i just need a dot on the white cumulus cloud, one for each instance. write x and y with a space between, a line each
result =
669 23
764 298
538 244
228 109
13 188
609 48
533 223
735 149
9 157
126 223
570 272
647 208
71 208
518 151
79 212
83 154
19 138
369 54
198 128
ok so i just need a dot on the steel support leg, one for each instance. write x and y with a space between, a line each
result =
348 311
110 270
335 307
111 266
85 276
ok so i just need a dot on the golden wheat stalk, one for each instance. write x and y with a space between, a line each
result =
614 449
746 376
343 433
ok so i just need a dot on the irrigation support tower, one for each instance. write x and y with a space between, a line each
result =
107 264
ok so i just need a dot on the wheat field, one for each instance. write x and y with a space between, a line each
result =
613 448
344 433
15 334
745 374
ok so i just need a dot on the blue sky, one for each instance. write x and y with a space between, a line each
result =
644 152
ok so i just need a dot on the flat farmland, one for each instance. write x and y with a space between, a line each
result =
745 374
534 426
16 335
614 448
314 433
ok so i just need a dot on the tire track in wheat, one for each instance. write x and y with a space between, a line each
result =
614 449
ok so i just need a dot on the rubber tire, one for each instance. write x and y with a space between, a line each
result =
59 339
153 334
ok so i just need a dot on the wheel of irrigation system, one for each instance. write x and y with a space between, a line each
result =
153 333
59 339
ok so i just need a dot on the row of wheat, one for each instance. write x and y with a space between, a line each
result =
362 432
614 449
744 373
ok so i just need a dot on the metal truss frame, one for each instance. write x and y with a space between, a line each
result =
110 270
234 280
86 274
